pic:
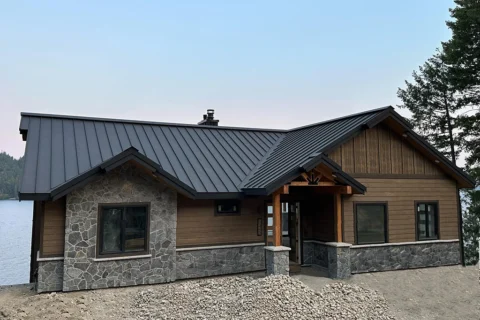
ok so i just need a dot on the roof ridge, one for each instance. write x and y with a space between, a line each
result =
341 118
70 117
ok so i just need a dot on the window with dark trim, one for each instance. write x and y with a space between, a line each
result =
123 229
371 223
227 207
427 220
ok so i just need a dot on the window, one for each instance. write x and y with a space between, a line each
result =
123 229
371 223
227 207
285 218
427 220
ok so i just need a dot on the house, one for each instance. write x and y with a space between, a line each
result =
119 203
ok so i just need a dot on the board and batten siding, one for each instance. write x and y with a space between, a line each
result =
53 228
396 173
400 195
381 151
197 224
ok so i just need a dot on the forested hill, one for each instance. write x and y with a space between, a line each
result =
10 171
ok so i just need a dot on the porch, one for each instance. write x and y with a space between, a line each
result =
304 226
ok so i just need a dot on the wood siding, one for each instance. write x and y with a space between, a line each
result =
381 151
53 228
197 224
400 194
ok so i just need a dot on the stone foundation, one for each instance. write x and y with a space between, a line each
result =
404 256
339 261
315 253
50 276
127 184
277 260
195 263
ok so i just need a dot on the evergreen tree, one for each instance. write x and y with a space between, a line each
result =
434 104
462 52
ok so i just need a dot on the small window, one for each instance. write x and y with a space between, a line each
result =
371 223
227 207
427 220
123 229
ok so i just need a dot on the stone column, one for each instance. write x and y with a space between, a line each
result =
339 260
277 259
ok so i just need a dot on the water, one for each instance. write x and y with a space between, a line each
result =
15 239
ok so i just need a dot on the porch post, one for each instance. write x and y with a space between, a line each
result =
338 217
277 256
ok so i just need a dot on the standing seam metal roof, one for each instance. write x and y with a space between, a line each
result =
206 159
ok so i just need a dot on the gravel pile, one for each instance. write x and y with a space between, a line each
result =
274 297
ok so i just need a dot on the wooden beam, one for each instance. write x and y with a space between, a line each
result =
277 219
306 184
338 217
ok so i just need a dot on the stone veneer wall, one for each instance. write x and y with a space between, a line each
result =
50 276
405 256
277 260
206 262
315 253
125 184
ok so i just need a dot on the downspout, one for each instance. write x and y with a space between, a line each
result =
460 228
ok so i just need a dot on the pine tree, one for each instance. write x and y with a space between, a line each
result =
462 52
434 104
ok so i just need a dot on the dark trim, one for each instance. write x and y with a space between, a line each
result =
219 195
460 227
101 206
223 214
396 176
437 219
384 115
42 227
33 196
355 222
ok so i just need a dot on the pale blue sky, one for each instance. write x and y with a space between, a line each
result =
278 64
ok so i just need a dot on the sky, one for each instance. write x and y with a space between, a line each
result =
267 64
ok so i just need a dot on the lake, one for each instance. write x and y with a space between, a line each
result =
15 239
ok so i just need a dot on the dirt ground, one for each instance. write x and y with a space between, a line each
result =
432 293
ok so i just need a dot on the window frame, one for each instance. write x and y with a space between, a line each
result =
437 220
355 220
221 214
101 207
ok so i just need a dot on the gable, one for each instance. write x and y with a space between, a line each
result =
380 150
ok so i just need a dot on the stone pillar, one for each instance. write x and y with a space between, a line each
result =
277 259
339 260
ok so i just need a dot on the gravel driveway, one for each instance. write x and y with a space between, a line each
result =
434 293
430 293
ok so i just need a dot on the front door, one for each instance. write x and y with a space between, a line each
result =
290 227
293 231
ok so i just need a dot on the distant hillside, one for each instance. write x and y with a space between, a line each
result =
10 170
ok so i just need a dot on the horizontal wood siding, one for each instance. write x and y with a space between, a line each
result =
197 224
381 151
53 228
400 194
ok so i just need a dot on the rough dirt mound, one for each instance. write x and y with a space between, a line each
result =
275 297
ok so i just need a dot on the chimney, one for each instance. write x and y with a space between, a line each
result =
208 119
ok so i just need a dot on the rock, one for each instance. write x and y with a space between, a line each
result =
274 297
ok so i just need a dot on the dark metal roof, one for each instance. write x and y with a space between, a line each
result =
206 159
303 146
200 161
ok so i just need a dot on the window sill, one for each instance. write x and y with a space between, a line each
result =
143 256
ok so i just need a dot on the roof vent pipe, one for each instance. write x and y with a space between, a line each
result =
208 119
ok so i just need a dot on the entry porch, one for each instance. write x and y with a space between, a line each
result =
304 226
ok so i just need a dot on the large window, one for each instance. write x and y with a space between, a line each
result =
371 223
123 229
427 220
